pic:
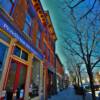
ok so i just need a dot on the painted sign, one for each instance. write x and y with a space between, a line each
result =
8 28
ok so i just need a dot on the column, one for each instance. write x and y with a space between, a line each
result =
28 77
41 87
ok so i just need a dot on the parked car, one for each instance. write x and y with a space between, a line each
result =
96 87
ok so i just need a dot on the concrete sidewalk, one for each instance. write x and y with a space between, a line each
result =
69 94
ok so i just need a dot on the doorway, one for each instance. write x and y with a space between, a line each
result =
16 80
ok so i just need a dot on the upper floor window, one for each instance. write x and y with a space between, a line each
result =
7 5
48 55
38 37
44 46
28 25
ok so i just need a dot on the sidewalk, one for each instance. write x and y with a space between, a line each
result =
69 94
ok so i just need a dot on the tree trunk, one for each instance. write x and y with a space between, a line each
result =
80 78
91 82
82 85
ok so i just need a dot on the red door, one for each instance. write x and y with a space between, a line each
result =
16 80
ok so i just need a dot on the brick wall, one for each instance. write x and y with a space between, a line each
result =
59 67
34 31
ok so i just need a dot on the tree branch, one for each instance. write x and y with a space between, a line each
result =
88 10
95 63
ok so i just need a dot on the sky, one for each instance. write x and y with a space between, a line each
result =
60 19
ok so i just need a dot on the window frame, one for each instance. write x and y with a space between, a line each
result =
21 51
29 25
38 39
11 6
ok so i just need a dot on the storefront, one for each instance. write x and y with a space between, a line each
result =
17 58
16 79
59 83
49 81
35 79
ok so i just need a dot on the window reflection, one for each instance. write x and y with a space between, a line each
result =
7 5
17 51
24 55
28 25
38 37
3 54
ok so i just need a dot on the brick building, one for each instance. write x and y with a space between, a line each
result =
27 50
59 74
48 50
21 59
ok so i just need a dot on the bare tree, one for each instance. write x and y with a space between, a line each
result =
74 69
84 39
71 67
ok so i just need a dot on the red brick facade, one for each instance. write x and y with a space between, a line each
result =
20 13
46 45
59 66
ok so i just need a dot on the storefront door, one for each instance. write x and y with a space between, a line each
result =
16 80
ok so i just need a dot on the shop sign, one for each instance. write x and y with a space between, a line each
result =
16 35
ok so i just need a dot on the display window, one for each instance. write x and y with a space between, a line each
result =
4 46
3 55
35 81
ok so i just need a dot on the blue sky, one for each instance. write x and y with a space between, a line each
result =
59 14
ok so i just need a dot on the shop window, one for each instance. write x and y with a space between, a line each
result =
7 5
35 77
28 25
20 53
5 38
17 51
24 55
3 54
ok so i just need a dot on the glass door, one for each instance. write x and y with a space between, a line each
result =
16 80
